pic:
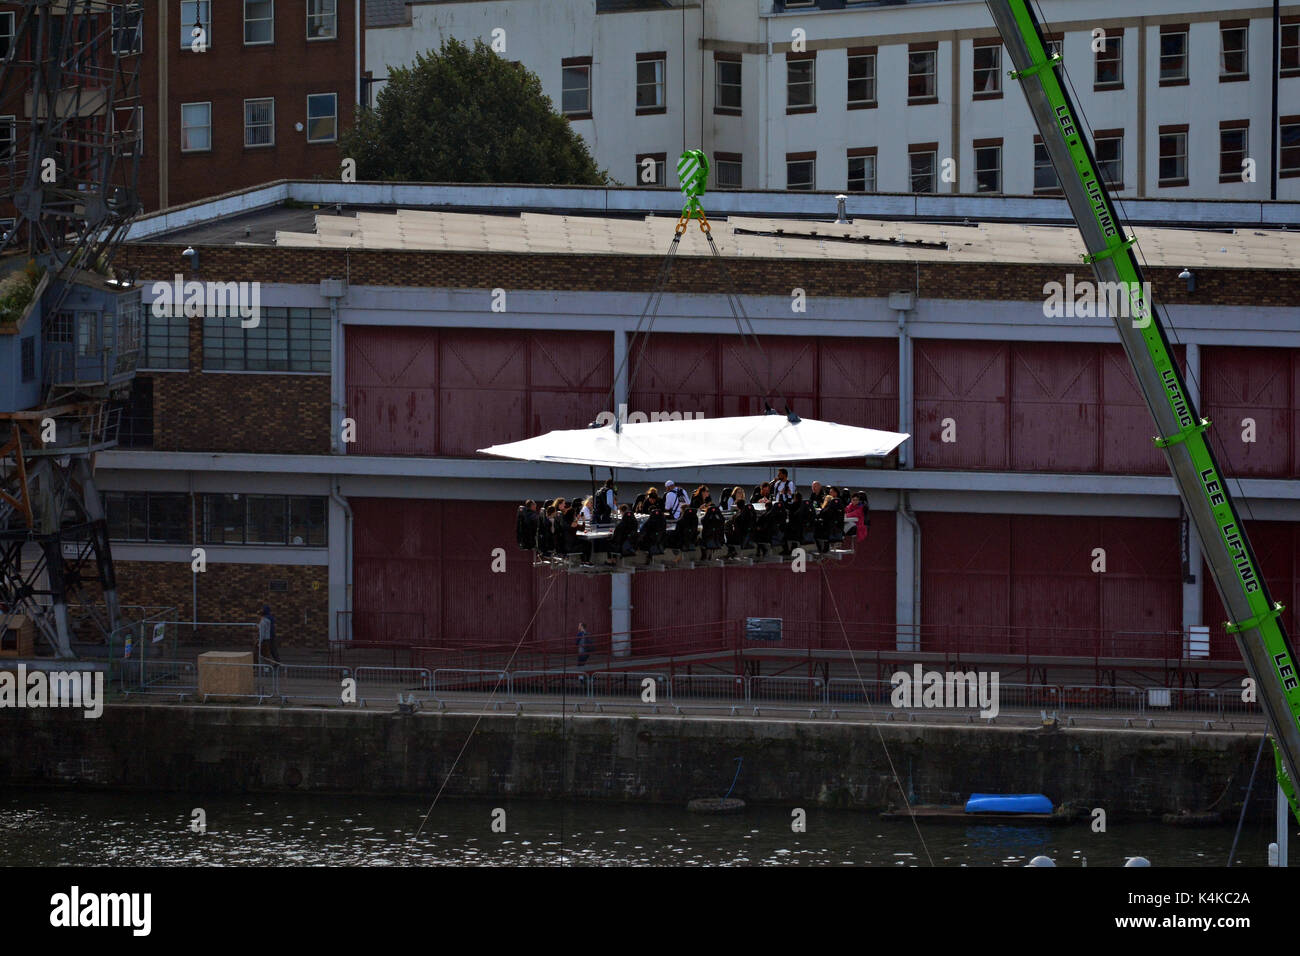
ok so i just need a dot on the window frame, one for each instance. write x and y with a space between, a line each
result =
8 122
661 169
1109 136
923 149
1233 26
1290 25
863 153
1115 38
791 59
139 506
208 127
174 351
661 84
1169 182
921 49
1234 127
187 41
8 34
984 45
334 19
114 29
1055 189
334 137
985 146
270 19
866 54
728 159
229 352
582 63
798 159
1173 30
270 125
729 59
1283 124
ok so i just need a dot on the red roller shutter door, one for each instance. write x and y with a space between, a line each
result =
1127 428
1259 384
675 373
392 382
966 382
1055 419
965 577
858 382
1277 549
786 364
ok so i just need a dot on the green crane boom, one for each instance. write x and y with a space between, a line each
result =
1181 431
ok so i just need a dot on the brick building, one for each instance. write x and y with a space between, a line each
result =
986 533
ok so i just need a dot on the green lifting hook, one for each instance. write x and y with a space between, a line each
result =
693 175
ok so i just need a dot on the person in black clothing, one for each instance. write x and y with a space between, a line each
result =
798 521
830 523
712 529
651 539
702 498
624 540
526 525
740 529
546 531
688 528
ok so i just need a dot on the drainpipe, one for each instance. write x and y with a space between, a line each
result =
909 639
356 28
1273 157
902 303
333 290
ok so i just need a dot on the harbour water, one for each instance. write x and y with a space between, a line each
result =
52 828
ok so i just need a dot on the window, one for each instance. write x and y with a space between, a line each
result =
196 127
29 359
800 83
162 517
726 170
862 170
60 331
294 520
1045 180
1289 65
136 429
127 28
259 122
800 170
88 334
1055 44
1173 156
196 13
988 165
6 33
1173 55
921 68
259 21
8 133
862 78
650 169
1289 142
726 83
575 95
321 21
922 163
166 341
1233 149
322 117
1108 149
1232 51
987 70
286 340
650 83
1108 65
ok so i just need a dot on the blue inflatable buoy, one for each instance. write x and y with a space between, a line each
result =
1008 803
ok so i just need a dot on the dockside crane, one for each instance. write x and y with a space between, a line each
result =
70 147
1181 431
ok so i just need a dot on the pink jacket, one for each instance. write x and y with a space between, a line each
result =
857 511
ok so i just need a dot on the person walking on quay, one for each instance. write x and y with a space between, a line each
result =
266 645
584 645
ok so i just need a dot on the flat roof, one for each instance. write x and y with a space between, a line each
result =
862 239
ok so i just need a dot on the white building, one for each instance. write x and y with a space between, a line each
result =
890 95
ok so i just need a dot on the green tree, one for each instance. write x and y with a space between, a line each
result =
464 115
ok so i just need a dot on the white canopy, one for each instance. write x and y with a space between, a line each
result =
703 441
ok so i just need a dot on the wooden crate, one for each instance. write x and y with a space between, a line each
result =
220 680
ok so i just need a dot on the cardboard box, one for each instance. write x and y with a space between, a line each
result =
226 675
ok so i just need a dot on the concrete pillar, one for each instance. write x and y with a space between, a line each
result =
906 599
620 614
340 566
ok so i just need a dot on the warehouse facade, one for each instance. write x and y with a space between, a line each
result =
1031 455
